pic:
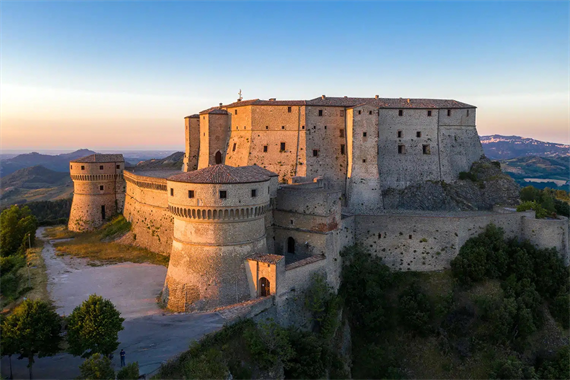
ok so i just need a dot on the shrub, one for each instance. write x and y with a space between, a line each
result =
117 226
310 359
467 176
268 343
129 372
558 368
414 309
512 368
97 367
209 365
560 309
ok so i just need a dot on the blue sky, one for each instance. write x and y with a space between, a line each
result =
76 73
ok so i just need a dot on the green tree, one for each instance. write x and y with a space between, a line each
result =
32 329
15 226
93 327
415 309
129 372
208 365
97 367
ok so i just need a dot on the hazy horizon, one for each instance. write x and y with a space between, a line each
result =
122 75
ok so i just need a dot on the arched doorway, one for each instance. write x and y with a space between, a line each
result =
264 287
218 157
290 245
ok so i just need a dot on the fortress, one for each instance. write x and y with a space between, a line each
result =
271 191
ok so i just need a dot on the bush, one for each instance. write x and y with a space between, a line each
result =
268 344
117 226
512 368
97 367
558 368
310 359
414 309
541 213
129 372
209 365
467 176
560 309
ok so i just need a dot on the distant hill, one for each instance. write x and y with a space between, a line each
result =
540 172
59 163
505 147
172 162
35 183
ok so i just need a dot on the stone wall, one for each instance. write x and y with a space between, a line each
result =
192 142
146 208
548 233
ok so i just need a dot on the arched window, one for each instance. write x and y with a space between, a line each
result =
218 157
264 287
290 245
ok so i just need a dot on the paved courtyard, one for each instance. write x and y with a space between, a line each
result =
150 335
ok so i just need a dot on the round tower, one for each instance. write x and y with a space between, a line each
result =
219 221
98 190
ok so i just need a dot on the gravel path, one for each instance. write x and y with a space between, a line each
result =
150 335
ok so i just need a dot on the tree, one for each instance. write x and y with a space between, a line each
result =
93 327
32 329
15 225
129 372
97 367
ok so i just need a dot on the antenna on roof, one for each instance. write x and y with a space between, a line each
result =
240 97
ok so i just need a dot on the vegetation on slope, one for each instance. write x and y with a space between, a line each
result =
99 247
546 202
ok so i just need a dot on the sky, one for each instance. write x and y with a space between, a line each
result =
122 75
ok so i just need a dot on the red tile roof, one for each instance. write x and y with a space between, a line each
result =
388 102
214 110
259 102
97 157
222 174
193 116
266 258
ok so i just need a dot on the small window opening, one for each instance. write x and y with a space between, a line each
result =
359 112
364 134
100 167
303 127
290 244
118 166
341 133
401 149
418 134
267 127
234 147
315 153
370 112
171 192
467 112
101 187
71 166
429 113
291 221
400 134
401 113
235 112
289 109
253 193
448 112
320 112
82 167
282 146
190 193
325 127
364 161
426 149
342 149
223 194
265 149
410 236
282 127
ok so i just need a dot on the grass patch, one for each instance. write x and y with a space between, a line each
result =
59 232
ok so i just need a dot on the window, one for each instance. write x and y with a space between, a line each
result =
401 149
253 193
467 112
303 127
400 134
426 149
370 112
101 187
341 133
364 161
282 146
448 112
325 127
342 149
320 112
265 149
401 113
282 127
190 193
315 153
171 192
118 166
71 166
410 236
341 113
418 134
359 112
429 113
235 112
289 109
267 127
100 167
234 147
82 167
223 194
364 134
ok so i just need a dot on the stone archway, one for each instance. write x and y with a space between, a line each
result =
264 287
218 157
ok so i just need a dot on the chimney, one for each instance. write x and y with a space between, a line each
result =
323 97
272 99
239 100
375 96
408 101
220 105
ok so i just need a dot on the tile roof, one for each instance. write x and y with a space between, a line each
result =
214 110
263 171
259 102
388 102
266 258
97 157
193 116
222 174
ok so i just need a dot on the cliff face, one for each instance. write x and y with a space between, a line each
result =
483 187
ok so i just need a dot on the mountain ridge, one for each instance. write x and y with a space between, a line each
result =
507 147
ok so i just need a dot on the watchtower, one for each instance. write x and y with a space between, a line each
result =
99 190
219 221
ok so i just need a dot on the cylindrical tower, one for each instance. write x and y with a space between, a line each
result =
219 221
99 190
